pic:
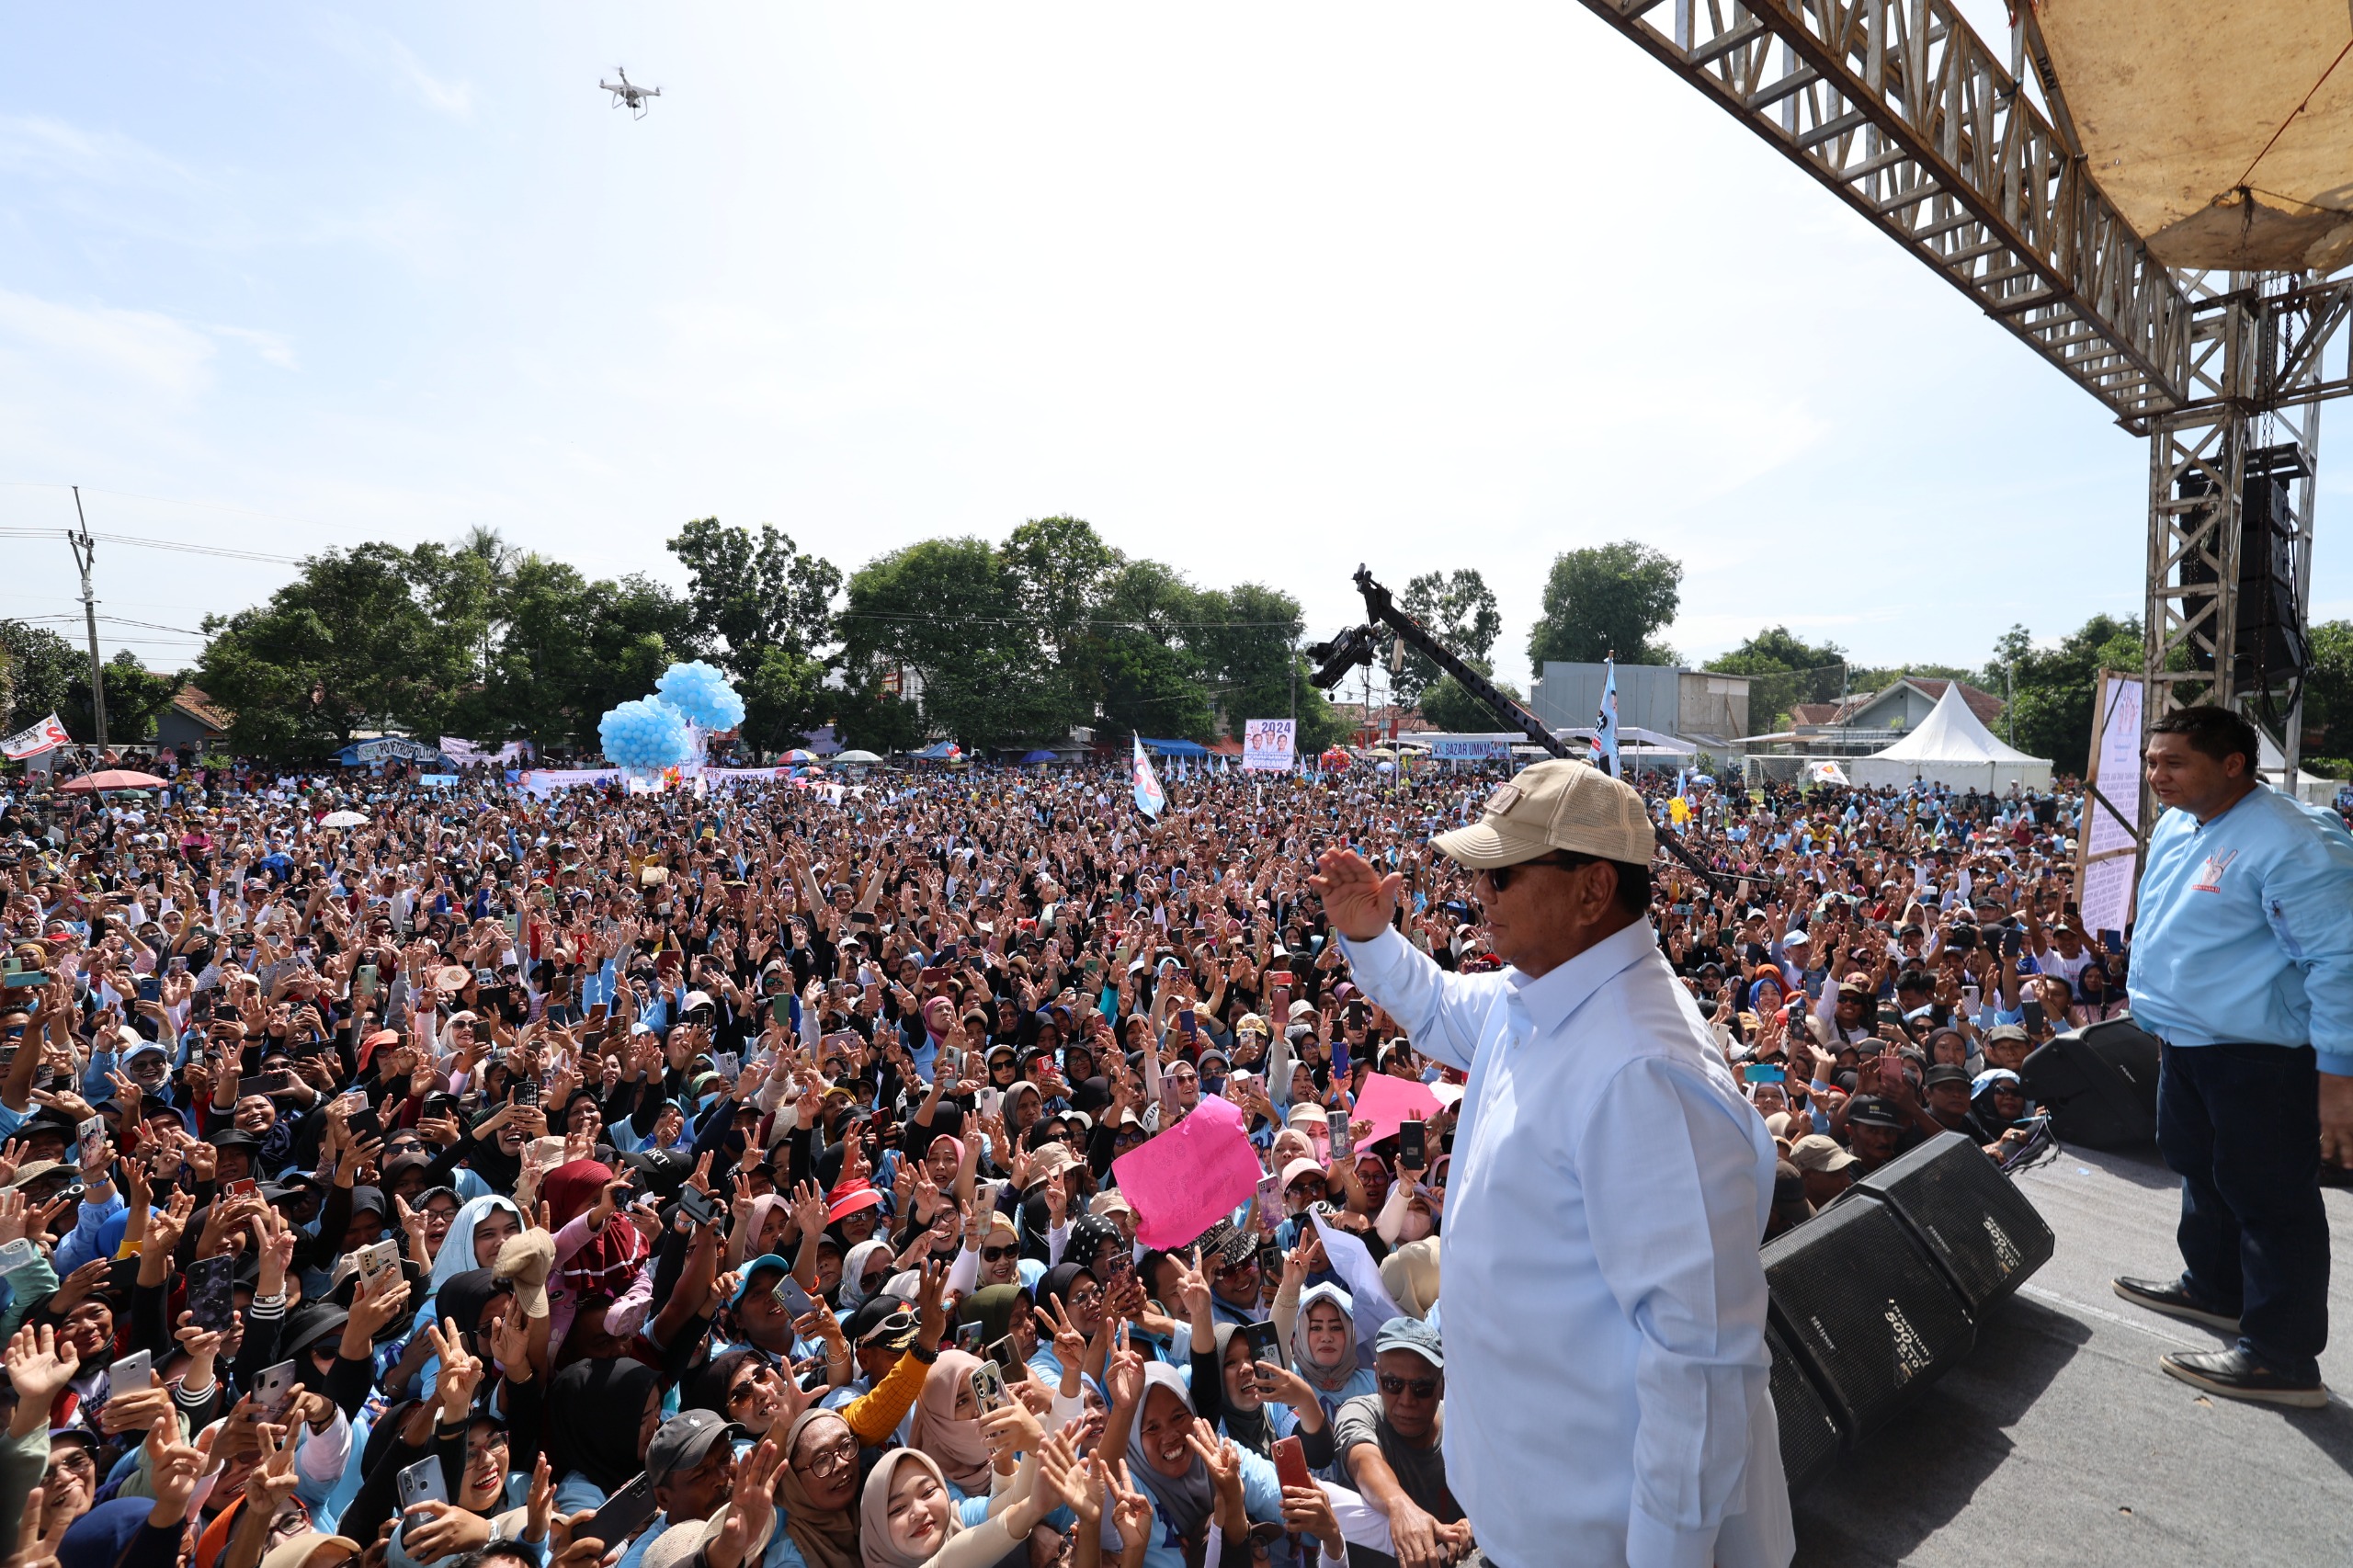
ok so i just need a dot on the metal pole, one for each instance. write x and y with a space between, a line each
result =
84 551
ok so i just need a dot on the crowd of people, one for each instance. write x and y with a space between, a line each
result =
732 1181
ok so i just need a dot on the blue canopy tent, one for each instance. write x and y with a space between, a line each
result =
1174 748
1038 757
939 751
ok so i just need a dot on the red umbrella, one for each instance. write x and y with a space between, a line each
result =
1336 757
116 779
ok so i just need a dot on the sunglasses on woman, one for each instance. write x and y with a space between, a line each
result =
999 1254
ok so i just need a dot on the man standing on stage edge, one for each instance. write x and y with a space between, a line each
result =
1605 1304
2243 966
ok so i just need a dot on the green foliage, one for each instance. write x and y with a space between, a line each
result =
747 593
473 640
1784 670
783 700
1607 599
1448 707
1459 609
42 670
2053 689
50 674
2329 691
1008 645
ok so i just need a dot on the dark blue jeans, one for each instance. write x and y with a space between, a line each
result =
2240 1124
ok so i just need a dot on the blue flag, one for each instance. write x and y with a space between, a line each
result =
1605 724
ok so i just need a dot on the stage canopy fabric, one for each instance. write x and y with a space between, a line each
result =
1951 747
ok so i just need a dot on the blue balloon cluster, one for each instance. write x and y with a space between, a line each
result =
647 732
700 692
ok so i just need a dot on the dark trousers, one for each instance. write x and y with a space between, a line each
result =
2240 1124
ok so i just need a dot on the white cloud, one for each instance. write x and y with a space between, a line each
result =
83 344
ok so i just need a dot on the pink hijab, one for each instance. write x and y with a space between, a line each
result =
954 1442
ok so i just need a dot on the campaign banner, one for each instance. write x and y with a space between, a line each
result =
466 754
1470 751
47 736
746 775
1269 746
543 782
2108 852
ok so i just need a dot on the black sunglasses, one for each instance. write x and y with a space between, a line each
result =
1501 877
1424 1388
998 1254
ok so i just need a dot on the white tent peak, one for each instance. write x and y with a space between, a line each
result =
1952 747
1953 733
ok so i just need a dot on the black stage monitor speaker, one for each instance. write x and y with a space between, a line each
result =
1810 1440
1865 1310
1972 1219
2099 1084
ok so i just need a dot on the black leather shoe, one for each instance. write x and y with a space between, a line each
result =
2166 1296
2234 1374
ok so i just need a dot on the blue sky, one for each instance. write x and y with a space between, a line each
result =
1261 292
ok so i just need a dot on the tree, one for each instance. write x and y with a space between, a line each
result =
1249 647
2051 689
783 700
43 668
1784 670
1448 706
1607 599
375 637
747 593
1146 671
49 674
948 608
2328 697
1459 609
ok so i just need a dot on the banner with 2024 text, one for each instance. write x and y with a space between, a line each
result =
1269 746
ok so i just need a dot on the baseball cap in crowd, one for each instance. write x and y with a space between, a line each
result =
665 1170
1872 1110
682 1441
1556 805
848 1199
1819 1152
880 1323
1945 1073
2001 1032
1416 1334
1301 1167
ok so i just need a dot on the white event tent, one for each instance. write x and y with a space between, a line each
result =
1951 747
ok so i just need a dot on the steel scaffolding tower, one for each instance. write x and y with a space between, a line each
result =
1901 109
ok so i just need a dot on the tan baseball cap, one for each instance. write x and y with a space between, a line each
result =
1555 806
1816 1152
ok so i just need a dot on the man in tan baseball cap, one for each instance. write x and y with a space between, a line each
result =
1588 839
1609 1180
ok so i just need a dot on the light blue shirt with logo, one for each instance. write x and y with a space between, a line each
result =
2244 930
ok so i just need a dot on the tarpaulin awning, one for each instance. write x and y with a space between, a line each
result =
1174 748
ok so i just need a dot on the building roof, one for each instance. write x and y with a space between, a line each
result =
1984 704
202 709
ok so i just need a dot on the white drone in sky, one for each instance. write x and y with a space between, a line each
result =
628 92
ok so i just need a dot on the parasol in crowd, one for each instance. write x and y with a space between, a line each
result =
115 778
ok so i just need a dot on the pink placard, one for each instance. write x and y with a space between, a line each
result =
1185 1179
1388 1102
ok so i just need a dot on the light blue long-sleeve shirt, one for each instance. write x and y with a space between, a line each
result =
82 1244
1610 1183
2244 930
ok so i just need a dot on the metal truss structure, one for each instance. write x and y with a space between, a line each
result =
1900 108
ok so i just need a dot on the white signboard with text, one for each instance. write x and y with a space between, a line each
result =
1269 746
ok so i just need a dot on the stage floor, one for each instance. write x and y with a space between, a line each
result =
2058 1441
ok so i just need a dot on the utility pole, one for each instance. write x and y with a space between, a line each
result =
2009 707
86 550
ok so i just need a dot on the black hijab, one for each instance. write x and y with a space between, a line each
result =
1248 1427
595 1409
